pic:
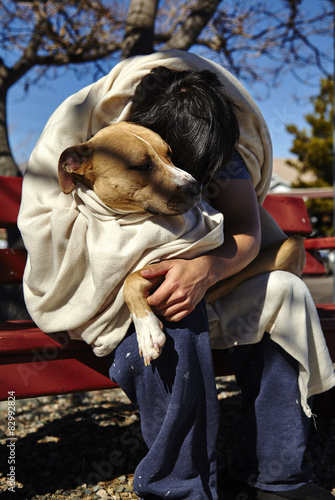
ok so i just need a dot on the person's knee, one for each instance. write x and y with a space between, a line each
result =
287 285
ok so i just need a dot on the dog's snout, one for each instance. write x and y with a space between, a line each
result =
187 183
194 188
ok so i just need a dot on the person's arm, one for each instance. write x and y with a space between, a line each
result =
186 281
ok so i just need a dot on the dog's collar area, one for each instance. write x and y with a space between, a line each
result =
91 202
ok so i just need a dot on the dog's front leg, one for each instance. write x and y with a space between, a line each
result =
149 329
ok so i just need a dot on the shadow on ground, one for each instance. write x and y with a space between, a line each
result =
93 441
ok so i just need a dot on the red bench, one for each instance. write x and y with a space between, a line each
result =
33 363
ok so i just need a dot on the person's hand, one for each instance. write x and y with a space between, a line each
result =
184 286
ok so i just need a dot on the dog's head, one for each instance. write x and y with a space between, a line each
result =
129 168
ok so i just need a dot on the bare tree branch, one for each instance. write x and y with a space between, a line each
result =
198 17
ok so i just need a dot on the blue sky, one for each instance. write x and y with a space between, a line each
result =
28 113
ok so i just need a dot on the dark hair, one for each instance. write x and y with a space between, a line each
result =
191 112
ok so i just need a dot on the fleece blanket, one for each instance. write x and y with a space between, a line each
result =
79 250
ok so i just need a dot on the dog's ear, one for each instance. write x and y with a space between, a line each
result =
72 163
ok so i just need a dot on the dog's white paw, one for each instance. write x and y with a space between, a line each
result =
150 336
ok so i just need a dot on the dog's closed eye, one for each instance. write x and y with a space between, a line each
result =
142 167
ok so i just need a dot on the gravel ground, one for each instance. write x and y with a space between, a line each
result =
86 446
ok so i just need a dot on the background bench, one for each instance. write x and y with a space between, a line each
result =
33 363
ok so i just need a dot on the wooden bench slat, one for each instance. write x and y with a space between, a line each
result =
12 264
290 213
10 199
313 266
312 246
25 336
72 372
327 308
31 376
320 243
35 353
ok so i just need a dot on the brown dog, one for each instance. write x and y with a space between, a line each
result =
129 168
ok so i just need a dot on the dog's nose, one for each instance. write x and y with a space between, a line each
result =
194 188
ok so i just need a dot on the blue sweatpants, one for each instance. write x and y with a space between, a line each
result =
177 400
271 435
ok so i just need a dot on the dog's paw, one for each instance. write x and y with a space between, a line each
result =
150 336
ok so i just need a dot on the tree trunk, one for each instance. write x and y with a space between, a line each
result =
189 31
139 32
8 166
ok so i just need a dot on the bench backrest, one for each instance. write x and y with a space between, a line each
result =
290 213
12 261
10 198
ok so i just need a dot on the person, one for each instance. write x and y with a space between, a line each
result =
268 325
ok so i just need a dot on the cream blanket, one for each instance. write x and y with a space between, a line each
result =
79 251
